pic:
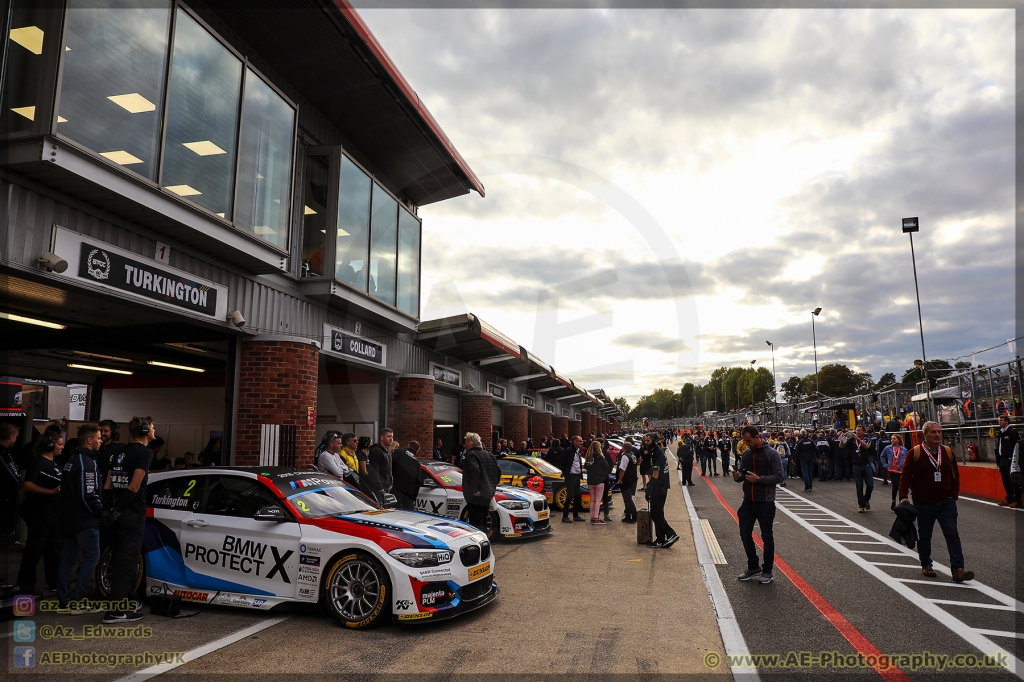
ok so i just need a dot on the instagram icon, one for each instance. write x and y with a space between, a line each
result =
24 605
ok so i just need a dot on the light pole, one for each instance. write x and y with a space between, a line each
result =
910 226
814 338
775 383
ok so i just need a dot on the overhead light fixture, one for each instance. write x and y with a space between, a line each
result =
444 426
27 112
204 148
133 103
815 311
169 365
121 157
187 346
183 190
343 233
29 37
99 369
306 210
31 320
100 356
61 119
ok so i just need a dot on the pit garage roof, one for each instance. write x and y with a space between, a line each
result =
472 340
325 51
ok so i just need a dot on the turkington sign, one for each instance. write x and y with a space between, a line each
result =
910 225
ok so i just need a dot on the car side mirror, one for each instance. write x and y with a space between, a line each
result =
270 512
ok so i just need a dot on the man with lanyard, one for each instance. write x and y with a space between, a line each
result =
760 470
931 477
684 455
657 493
863 473
573 479
725 446
627 480
109 449
1006 440
127 481
80 512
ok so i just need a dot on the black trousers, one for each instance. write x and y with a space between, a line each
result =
573 497
44 542
662 530
126 545
1013 491
477 515
725 463
628 492
606 498
764 514
687 473
895 478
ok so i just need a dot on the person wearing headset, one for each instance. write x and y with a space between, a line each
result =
127 481
40 510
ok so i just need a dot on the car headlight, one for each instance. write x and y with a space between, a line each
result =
514 504
418 558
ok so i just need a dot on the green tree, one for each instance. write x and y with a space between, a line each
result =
837 380
794 388
936 369
623 404
887 380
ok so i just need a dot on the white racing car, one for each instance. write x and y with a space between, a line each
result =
261 536
515 512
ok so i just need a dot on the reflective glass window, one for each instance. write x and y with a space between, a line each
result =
111 96
383 245
314 215
265 162
353 225
408 263
202 117
27 42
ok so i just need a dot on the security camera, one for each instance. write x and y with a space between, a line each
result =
471 387
53 262
235 318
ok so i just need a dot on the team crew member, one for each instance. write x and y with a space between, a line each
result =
725 447
657 493
40 511
10 480
573 479
711 454
80 511
931 477
863 472
760 470
892 458
380 458
1006 441
127 479
806 451
330 459
479 479
824 455
684 455
627 480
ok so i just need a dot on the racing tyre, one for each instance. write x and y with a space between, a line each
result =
357 591
103 575
559 499
494 527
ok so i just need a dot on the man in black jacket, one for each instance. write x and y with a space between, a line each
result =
1006 440
657 494
572 472
80 511
725 447
684 453
10 480
760 470
479 479
806 452
863 472
627 480
555 456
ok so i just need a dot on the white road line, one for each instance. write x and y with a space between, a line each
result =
713 546
199 652
933 582
864 551
728 626
929 606
839 532
913 566
1002 633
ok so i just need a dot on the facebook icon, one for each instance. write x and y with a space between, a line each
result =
24 657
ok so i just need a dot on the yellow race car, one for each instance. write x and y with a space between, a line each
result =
540 476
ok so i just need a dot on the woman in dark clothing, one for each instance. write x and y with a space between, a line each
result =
597 478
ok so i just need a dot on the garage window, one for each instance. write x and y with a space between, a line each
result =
234 496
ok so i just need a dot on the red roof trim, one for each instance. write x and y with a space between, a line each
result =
411 97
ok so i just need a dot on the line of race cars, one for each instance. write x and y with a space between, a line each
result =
259 537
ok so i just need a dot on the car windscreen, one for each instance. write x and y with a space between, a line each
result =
329 501
449 478
543 466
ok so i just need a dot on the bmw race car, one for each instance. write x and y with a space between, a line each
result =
262 536
538 475
515 512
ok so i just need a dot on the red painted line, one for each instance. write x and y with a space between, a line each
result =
845 628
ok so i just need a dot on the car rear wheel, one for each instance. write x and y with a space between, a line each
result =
495 526
104 575
559 499
357 591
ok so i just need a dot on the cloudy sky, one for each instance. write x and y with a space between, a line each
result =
669 189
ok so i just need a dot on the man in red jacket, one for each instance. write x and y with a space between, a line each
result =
931 477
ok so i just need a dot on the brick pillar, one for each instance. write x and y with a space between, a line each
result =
574 428
616 426
541 426
411 410
559 426
513 421
475 415
277 384
586 424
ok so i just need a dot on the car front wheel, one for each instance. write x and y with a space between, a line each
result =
104 575
560 497
357 591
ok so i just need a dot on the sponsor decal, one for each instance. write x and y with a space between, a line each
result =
236 600
403 604
479 571
511 535
415 616
308 579
305 593
244 556
192 596
173 502
430 506
258 602
308 561
436 573
522 525
435 595
509 479
450 529
374 512
542 515
309 549
313 482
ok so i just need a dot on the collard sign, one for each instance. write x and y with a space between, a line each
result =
353 346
